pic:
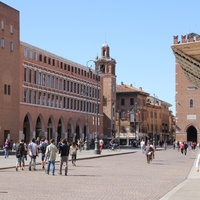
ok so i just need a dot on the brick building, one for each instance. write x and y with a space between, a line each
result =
140 115
45 95
187 56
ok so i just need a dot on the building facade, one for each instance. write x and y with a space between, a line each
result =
187 56
141 116
45 95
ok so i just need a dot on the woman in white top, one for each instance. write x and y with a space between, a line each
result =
73 152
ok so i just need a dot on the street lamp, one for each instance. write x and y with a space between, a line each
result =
98 71
85 93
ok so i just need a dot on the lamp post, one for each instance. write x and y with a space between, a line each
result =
96 149
85 93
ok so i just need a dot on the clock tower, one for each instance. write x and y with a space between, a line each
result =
106 65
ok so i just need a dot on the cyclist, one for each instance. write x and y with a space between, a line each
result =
149 152
113 144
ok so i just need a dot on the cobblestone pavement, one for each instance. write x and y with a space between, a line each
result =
125 176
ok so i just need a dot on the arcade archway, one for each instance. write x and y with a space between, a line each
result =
192 134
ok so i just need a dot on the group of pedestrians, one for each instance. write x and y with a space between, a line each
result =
47 152
188 145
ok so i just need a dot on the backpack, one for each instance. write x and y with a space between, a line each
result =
43 148
19 150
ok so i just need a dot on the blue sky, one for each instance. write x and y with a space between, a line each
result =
139 34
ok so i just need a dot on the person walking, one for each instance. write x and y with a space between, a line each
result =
42 150
182 147
142 145
6 148
33 153
185 147
73 152
101 142
64 154
20 152
50 155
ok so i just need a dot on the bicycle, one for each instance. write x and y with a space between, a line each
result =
115 148
150 157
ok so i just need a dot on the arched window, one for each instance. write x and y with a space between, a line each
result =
191 103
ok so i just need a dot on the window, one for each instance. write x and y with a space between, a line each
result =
56 83
40 57
30 76
74 87
52 82
5 89
35 76
113 88
74 104
40 98
122 102
30 54
49 61
64 102
11 46
60 102
2 43
25 95
25 74
64 85
25 52
57 101
67 102
68 85
35 55
30 96
44 99
192 88
9 90
191 103
132 117
2 25
48 100
71 104
48 80
72 84
35 97
78 102
39 79
52 101
78 89
11 29
122 115
131 101
44 80
60 85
